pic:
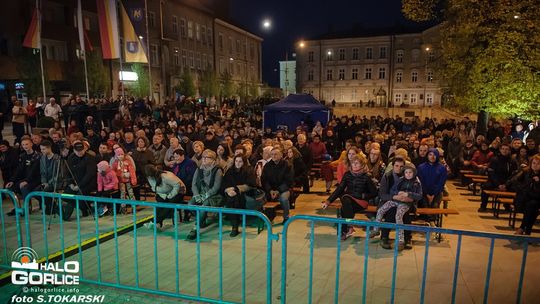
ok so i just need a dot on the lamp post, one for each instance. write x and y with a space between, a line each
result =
426 80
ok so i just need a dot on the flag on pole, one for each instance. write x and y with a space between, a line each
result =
32 38
108 28
134 25
80 27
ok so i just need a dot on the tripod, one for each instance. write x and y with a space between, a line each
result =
59 163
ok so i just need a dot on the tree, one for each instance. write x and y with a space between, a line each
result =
186 86
490 59
141 87
227 87
98 74
30 72
208 84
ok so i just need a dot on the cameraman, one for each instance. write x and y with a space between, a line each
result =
51 171
82 180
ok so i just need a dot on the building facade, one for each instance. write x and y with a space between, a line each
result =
182 34
384 70
287 76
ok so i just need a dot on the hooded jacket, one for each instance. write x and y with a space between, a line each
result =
412 186
432 175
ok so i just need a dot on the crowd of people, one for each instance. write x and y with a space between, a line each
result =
224 158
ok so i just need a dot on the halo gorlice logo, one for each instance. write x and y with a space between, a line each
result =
26 270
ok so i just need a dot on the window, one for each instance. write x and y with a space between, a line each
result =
154 54
175 25
151 19
221 67
430 76
183 27
329 55
413 98
341 54
310 75
368 73
431 56
203 32
414 76
353 95
230 45
399 56
382 73
190 29
204 62
429 98
184 58
198 32
397 99
354 74
341 74
399 76
414 55
251 51
329 74
209 34
355 54
176 57
198 60
238 46
191 60
310 56
382 52
220 42
369 53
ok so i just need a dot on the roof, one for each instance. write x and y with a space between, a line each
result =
297 102
359 31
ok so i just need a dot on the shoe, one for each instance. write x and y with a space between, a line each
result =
408 245
192 235
482 209
385 243
374 233
234 232
11 213
102 211
519 232
149 225
401 246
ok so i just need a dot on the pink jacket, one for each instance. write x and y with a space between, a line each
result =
125 171
106 182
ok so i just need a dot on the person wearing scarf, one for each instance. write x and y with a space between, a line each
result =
238 180
205 187
355 189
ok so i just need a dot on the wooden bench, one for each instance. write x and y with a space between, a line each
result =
269 209
466 171
507 201
496 197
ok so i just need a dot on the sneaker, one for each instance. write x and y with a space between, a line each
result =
192 235
102 211
374 233
149 225
385 243
234 232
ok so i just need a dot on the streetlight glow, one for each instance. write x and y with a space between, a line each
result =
427 49
329 53
302 44
231 59
141 37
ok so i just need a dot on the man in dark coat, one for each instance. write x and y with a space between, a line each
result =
277 179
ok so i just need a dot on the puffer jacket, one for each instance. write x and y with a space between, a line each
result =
359 186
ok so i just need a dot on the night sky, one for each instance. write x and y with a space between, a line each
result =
293 20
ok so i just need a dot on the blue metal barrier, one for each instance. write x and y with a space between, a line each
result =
429 231
8 245
97 230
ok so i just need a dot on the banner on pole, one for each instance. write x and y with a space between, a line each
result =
108 28
134 29
32 37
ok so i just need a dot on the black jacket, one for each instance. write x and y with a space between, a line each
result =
500 169
84 170
234 178
525 186
358 186
27 169
8 162
276 176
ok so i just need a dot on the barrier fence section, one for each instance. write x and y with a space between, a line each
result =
62 232
9 244
428 231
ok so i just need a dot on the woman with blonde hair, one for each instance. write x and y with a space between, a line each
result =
344 165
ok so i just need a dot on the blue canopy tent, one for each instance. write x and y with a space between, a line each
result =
293 109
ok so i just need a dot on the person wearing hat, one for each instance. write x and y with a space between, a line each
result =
82 179
125 172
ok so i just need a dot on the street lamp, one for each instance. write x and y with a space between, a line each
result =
426 79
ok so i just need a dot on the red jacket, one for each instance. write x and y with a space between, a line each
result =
125 171
317 151
480 159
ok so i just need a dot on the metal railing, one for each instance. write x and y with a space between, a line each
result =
8 245
369 226
60 239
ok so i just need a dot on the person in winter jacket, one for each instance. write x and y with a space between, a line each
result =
82 178
500 169
432 175
184 168
277 179
9 159
527 186
407 186
354 191
206 188
125 171
26 177
237 181
107 182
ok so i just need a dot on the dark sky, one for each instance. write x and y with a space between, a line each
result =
293 20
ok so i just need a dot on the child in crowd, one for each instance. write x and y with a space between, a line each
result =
106 183
406 192
125 171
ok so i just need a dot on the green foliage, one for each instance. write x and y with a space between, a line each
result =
227 86
208 84
186 86
29 69
490 55
141 87
98 74
419 10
